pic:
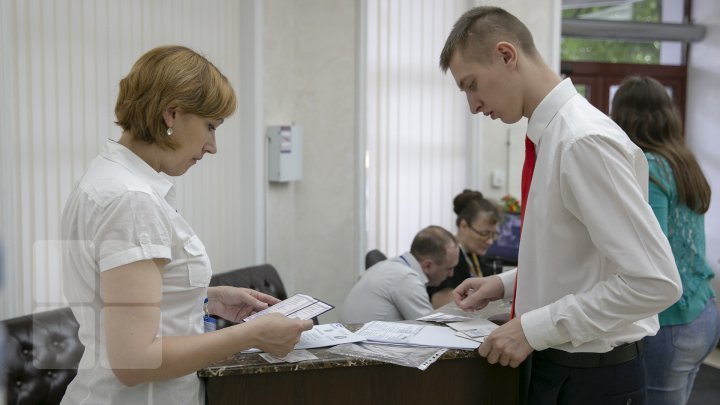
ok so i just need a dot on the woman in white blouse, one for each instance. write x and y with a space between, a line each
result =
136 275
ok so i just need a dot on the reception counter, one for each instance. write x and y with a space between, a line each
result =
458 377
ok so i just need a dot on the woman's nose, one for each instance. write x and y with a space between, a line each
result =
211 146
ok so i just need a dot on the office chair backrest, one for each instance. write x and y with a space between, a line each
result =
373 257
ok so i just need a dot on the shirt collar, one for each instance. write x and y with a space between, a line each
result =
115 152
548 108
408 258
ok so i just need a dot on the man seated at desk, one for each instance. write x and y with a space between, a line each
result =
395 289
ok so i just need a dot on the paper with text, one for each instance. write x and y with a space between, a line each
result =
442 317
294 356
414 335
299 306
475 328
329 334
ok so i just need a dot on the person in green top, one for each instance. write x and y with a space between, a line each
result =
679 195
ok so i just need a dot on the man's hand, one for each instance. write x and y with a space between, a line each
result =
506 345
476 292
234 304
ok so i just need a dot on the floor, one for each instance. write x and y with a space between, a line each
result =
706 390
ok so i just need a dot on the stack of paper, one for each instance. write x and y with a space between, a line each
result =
414 335
408 356
325 335
441 317
294 356
476 329
329 334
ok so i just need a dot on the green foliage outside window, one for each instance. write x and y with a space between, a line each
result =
616 51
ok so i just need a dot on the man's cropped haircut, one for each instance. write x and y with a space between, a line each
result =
171 76
431 243
477 31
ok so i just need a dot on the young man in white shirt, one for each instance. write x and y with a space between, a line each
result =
594 268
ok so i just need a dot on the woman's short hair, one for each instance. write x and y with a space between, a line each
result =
171 76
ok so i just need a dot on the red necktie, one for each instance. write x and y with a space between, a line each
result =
527 173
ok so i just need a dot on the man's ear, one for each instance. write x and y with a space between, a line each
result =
426 264
507 52
169 115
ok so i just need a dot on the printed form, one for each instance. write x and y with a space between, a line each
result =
299 306
414 335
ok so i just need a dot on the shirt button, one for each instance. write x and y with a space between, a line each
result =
144 239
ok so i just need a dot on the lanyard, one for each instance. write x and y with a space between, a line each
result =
472 262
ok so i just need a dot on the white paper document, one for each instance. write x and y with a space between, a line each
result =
299 306
414 335
442 317
292 357
408 356
475 328
329 334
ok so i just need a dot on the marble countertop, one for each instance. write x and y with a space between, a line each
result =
252 363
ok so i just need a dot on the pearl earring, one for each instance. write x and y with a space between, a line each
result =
169 131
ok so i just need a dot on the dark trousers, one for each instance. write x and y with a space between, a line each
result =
552 384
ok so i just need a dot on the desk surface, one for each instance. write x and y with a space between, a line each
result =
458 377
252 363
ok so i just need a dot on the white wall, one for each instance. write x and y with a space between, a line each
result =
309 63
310 66
703 120
310 72
59 72
491 146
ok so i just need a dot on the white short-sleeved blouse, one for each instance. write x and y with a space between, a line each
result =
121 212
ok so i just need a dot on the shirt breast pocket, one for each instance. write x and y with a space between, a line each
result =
198 263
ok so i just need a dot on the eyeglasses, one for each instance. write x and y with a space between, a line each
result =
486 236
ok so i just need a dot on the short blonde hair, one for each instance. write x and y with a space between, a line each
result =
477 31
171 75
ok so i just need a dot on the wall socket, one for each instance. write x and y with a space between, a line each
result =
497 179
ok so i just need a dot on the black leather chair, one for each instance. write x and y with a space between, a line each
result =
43 350
42 355
373 257
263 278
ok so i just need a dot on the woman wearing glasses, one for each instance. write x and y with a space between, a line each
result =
477 222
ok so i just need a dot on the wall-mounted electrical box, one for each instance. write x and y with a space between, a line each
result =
284 153
497 179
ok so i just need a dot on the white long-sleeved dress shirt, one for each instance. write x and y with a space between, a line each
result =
594 265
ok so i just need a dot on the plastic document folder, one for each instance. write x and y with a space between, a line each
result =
410 334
